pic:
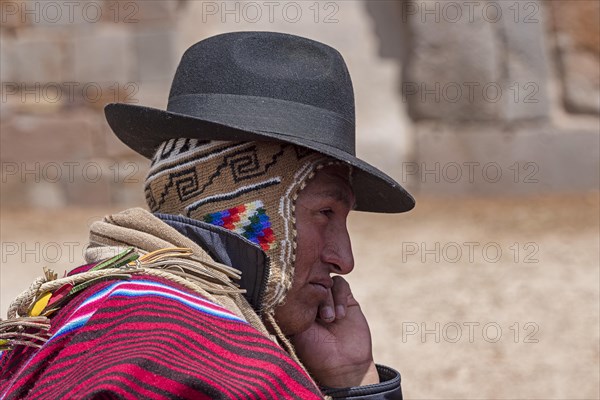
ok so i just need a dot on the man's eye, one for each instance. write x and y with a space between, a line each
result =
327 211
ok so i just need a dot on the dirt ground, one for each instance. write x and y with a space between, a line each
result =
469 299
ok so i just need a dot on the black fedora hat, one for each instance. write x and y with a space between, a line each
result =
262 86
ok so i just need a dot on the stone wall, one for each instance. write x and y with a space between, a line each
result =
449 94
61 63
505 96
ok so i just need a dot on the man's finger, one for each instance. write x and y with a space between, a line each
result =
326 309
341 294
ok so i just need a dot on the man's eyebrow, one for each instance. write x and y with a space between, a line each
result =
339 196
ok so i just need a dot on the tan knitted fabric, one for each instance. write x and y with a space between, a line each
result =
249 188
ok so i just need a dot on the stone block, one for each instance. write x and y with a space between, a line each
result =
577 29
8 65
452 67
43 139
482 161
577 23
390 33
523 54
40 58
105 57
581 81
155 51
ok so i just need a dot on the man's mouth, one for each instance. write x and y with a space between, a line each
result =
324 285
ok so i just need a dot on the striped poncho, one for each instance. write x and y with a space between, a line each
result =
150 338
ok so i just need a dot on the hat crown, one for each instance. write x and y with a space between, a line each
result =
270 65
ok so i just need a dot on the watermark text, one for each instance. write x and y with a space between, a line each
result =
455 332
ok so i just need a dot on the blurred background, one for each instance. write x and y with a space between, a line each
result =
487 111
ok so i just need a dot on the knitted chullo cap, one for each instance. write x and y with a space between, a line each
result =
246 187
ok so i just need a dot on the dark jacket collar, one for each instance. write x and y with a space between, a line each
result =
230 249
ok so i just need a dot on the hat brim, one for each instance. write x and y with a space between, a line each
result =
143 129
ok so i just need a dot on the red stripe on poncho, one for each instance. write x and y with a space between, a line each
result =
152 339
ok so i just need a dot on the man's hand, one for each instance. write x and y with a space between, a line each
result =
337 349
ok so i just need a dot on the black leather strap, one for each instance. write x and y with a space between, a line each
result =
388 388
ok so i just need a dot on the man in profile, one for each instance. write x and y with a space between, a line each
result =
231 287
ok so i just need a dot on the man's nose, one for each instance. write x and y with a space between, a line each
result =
337 252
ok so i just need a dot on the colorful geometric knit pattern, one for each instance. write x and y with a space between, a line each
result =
147 338
249 220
